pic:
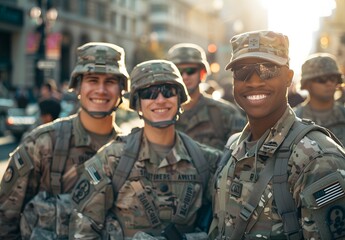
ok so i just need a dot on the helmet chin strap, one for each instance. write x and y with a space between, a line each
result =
161 124
102 114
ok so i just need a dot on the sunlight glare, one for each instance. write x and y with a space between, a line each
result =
298 19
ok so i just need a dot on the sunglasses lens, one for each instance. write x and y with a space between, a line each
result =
152 92
324 80
268 71
189 71
241 73
264 70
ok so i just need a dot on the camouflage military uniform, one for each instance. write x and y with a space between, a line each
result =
314 159
24 179
333 119
322 65
211 121
156 193
34 194
162 186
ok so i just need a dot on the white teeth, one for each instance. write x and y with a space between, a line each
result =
160 110
99 101
256 97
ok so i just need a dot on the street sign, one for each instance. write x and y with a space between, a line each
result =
45 64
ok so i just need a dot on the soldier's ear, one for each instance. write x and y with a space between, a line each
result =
203 75
289 74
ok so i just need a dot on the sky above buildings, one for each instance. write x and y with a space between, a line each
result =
298 19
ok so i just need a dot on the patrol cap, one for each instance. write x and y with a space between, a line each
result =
100 57
156 72
266 45
188 53
319 65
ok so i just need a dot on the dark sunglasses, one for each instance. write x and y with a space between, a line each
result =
152 92
189 70
325 79
264 70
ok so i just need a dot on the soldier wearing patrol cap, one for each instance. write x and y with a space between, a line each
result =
45 164
321 76
206 120
281 177
151 183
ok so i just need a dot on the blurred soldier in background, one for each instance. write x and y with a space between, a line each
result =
206 120
280 178
321 76
45 164
159 176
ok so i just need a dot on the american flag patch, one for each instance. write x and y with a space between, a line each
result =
329 194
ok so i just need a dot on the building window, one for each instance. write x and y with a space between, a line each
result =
114 20
82 8
159 8
159 28
101 12
124 23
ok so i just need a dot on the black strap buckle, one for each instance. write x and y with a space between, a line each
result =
246 211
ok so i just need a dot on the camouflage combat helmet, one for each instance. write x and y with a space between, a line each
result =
188 53
318 65
155 72
99 57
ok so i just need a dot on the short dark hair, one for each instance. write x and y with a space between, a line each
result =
50 106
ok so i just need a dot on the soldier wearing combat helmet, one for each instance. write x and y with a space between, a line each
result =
204 119
45 164
321 76
281 177
159 176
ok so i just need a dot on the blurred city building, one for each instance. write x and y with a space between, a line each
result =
331 36
37 43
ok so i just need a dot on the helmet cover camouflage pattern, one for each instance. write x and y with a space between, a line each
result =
155 72
319 65
188 53
100 57
266 45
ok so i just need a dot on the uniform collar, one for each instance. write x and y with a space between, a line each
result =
81 136
177 153
274 138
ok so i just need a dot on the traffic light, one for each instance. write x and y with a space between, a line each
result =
212 52
212 57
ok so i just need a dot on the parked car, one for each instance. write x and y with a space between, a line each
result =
19 120
5 104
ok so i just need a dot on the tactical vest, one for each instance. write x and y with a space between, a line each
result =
46 216
128 158
277 170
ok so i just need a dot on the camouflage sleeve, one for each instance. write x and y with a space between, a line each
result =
213 156
14 190
320 190
92 196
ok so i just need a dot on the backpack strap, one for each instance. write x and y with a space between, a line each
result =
128 158
63 131
199 160
285 203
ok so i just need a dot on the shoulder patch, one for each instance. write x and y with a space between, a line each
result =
336 222
329 193
324 191
81 190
